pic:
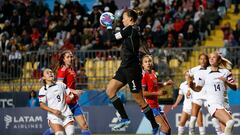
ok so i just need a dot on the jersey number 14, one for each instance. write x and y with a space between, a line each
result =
217 87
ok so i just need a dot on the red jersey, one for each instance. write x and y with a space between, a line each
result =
68 76
150 83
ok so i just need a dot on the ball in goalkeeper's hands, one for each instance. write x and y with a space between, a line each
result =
106 19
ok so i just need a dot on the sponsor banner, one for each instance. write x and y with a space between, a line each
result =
13 99
101 120
22 121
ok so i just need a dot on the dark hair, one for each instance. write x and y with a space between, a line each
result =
34 94
133 14
206 56
60 60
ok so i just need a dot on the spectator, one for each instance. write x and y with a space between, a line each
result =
15 58
7 9
7 28
236 33
147 33
33 100
158 37
82 79
15 20
198 14
75 38
143 5
87 45
35 34
202 27
3 43
46 19
170 43
181 42
178 24
95 15
25 40
4 65
227 31
191 36
212 16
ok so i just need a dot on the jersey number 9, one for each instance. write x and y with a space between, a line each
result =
59 98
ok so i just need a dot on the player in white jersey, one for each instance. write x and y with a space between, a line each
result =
198 97
214 80
52 99
187 104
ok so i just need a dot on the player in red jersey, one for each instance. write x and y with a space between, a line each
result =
150 86
66 74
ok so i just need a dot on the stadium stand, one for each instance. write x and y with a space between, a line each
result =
176 33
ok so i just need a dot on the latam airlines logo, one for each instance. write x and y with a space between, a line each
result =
8 120
23 122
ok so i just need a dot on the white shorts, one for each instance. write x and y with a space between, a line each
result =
187 107
213 107
199 102
56 120
199 95
187 110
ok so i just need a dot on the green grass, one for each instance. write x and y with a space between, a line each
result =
139 134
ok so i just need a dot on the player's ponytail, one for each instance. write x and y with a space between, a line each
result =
139 12
43 80
225 63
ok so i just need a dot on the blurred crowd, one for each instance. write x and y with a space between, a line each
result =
33 27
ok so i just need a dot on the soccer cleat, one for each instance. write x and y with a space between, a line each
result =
156 131
122 123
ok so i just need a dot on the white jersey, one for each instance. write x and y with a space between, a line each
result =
196 72
53 97
183 89
215 88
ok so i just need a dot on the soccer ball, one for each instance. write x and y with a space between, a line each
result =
106 18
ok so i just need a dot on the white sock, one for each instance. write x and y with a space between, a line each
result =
202 130
59 133
217 127
228 128
69 130
180 130
192 122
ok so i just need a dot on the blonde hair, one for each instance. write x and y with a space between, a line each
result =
223 62
147 56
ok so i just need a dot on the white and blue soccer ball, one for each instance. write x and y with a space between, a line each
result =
106 19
